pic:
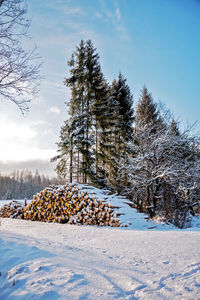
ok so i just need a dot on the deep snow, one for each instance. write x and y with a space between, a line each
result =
61 261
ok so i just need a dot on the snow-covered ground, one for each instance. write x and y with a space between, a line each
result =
55 261
61 261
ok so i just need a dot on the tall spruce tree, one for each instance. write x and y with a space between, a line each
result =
87 86
101 114
122 111
73 131
121 129
147 117
77 120
95 93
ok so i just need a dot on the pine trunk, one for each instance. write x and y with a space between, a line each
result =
71 166
96 147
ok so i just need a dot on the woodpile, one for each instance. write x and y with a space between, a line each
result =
68 204
14 209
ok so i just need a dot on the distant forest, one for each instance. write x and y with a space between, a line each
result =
24 184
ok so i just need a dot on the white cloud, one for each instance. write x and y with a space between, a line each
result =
118 14
55 110
11 132
67 9
21 142
39 123
112 16
21 152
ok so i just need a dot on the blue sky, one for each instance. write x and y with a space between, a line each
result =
152 42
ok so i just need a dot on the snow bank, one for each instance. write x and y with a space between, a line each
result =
129 217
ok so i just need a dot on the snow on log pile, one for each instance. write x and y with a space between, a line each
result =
14 209
68 204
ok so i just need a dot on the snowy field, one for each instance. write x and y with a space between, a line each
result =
60 261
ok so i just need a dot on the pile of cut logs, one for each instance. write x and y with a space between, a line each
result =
68 204
14 209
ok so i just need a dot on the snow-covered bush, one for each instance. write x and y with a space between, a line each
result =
164 175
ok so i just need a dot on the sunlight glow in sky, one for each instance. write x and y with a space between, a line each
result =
152 42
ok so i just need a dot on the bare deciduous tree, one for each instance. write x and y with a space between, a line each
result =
19 67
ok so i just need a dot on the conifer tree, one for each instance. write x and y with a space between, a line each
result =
93 82
77 110
100 122
101 112
122 127
124 98
64 167
174 128
147 116
87 90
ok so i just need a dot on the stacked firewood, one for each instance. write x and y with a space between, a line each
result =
68 204
14 209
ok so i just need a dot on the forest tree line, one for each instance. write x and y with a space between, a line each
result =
24 184
137 150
